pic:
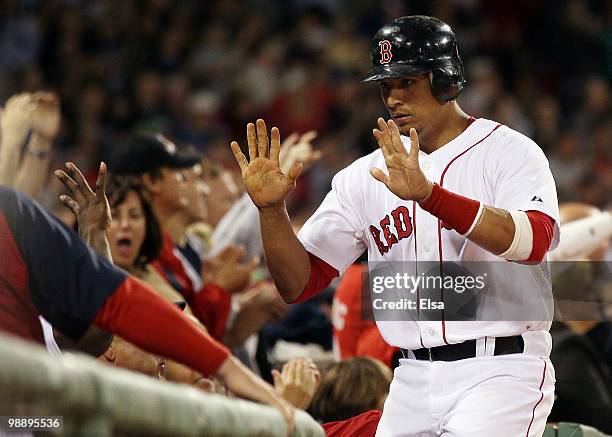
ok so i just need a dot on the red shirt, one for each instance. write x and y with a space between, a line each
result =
355 333
363 425
210 304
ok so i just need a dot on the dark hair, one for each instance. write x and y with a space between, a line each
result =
117 188
349 388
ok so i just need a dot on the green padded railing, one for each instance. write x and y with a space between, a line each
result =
567 429
96 400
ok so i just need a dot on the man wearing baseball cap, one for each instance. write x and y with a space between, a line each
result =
166 172
148 153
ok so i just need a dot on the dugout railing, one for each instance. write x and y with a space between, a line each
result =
96 400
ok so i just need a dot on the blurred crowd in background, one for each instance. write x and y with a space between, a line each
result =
197 72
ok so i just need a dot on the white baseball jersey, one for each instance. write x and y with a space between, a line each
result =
487 162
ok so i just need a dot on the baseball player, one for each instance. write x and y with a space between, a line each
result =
442 187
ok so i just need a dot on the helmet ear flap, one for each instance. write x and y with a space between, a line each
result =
446 83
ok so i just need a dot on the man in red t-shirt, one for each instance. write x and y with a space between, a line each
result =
355 331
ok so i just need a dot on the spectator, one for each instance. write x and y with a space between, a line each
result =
355 331
178 199
582 345
159 166
297 382
567 164
349 388
52 273
33 120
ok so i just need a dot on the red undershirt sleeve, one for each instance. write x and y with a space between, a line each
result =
144 318
321 275
542 227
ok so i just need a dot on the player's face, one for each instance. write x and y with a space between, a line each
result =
127 230
410 102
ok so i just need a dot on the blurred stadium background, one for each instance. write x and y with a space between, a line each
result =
198 71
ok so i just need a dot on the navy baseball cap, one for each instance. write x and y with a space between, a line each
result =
146 153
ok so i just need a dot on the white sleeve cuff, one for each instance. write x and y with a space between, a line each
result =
522 244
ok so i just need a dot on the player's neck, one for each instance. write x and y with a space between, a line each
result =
452 125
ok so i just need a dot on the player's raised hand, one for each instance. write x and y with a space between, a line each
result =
405 178
263 178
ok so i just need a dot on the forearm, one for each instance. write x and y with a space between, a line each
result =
285 255
244 383
97 240
495 230
491 228
144 318
522 236
514 235
33 171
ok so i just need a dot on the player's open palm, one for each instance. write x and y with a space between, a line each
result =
405 178
263 178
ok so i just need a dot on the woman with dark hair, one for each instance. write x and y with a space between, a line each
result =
134 239
134 235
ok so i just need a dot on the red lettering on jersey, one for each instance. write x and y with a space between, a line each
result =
384 224
401 221
385 51
376 234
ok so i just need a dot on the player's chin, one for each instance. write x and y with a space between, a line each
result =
405 128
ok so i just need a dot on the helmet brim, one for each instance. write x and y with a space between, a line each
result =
390 71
